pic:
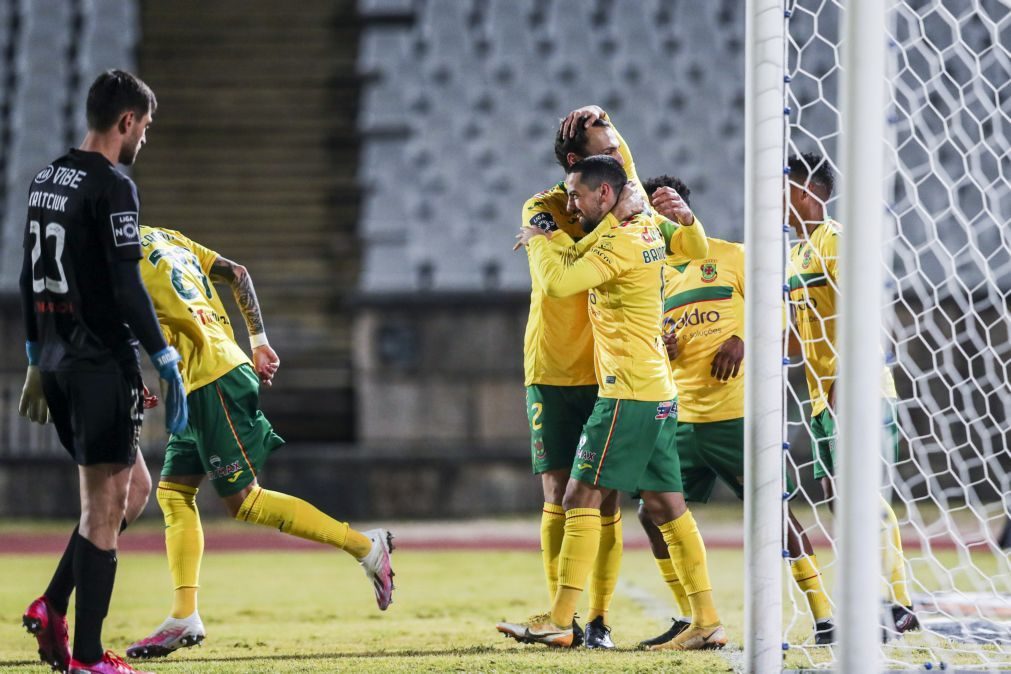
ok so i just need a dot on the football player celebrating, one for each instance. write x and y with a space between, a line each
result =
228 438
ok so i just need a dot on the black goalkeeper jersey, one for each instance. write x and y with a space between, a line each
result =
83 218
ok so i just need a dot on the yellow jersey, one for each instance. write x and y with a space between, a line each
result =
623 272
812 275
175 271
704 306
558 342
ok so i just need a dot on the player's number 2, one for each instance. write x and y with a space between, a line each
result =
44 282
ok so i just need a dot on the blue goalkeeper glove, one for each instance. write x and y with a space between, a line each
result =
166 362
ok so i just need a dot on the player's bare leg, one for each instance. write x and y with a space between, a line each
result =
669 512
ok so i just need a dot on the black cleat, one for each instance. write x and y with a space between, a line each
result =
577 634
597 635
824 632
677 627
904 618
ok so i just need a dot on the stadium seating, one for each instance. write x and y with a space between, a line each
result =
461 102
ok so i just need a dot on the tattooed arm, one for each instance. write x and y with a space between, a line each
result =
265 360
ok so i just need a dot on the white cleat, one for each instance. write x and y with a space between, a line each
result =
171 635
377 566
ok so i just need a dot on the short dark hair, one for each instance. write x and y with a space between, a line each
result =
600 169
115 92
653 184
576 144
812 168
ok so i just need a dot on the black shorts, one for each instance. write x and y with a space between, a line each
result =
98 415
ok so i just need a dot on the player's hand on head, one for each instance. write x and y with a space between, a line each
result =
670 341
630 203
33 404
668 203
265 362
166 362
586 115
728 358
527 234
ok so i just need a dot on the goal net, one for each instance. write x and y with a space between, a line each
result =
945 328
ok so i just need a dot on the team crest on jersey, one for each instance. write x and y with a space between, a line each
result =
650 235
709 273
805 262
539 451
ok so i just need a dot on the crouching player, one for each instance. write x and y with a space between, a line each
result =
228 438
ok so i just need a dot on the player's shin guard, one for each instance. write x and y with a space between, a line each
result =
294 516
670 577
808 578
579 549
895 559
688 555
552 531
184 544
604 578
94 577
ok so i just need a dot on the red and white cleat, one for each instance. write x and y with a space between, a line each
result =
377 566
50 630
171 635
109 664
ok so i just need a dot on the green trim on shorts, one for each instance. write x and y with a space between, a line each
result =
624 446
556 415
824 434
228 438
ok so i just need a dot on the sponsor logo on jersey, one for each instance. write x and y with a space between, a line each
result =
709 272
125 228
585 455
696 317
582 442
219 470
610 379
653 255
544 222
44 174
585 466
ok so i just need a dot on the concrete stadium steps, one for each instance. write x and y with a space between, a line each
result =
254 154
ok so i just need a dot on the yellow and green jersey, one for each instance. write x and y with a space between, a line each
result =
558 343
175 271
704 306
623 272
812 275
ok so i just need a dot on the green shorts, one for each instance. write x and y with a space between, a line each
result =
629 445
823 439
557 415
227 438
711 451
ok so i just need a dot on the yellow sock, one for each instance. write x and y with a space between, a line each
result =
688 555
552 531
808 578
184 544
294 516
894 557
670 577
579 549
606 566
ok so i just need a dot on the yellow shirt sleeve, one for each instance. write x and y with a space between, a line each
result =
830 254
598 265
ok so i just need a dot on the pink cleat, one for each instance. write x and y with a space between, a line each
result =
109 664
377 566
50 630
171 635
